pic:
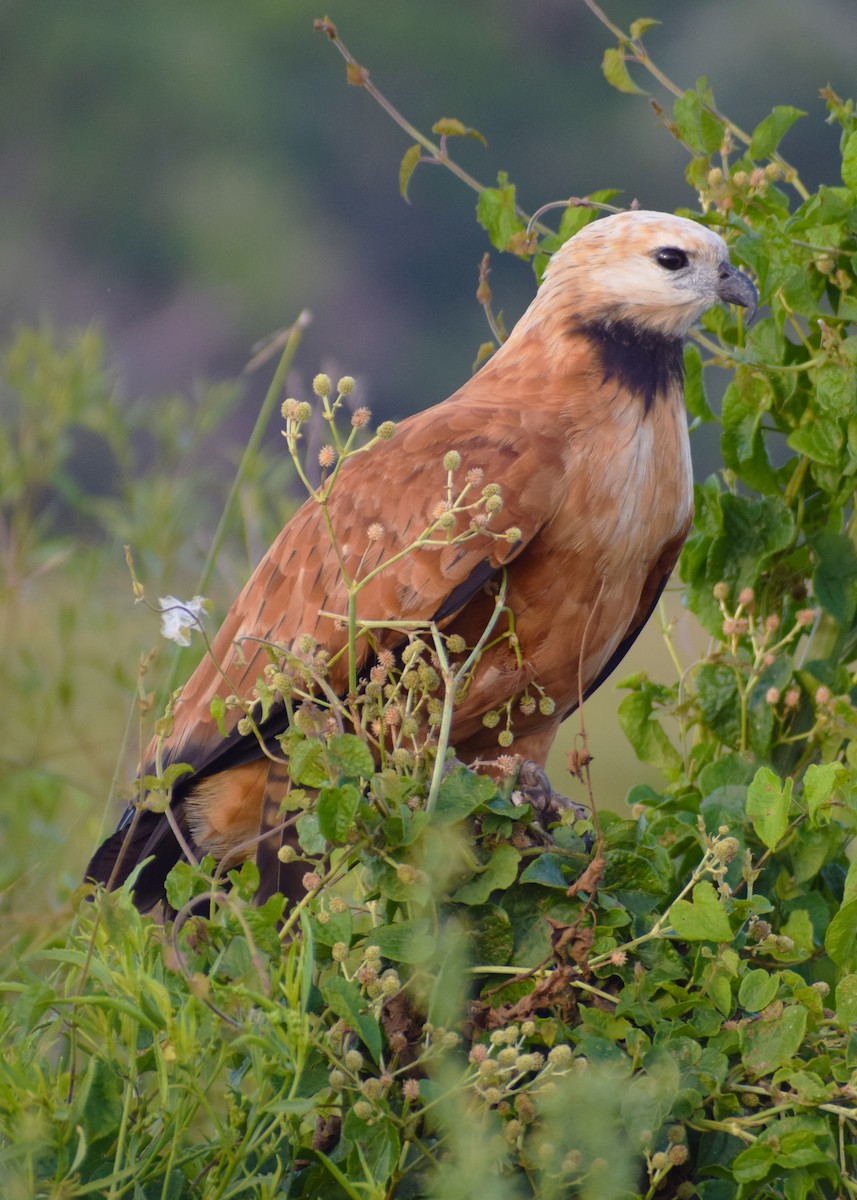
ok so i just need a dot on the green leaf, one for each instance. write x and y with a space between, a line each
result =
735 540
732 770
345 999
333 1170
501 807
799 929
171 773
615 70
311 838
846 1001
821 441
742 441
461 793
840 941
757 990
810 1087
496 212
834 580
245 879
181 883
834 390
102 1105
576 216
694 385
217 708
408 941
385 877
718 984
771 1042
752 532
639 27
697 126
546 869
643 730
770 132
306 760
498 873
768 803
489 933
819 784
351 756
760 714
452 127
849 888
449 127
403 826
296 798
704 919
338 927
265 698
808 854
407 167
375 1148
486 349
335 809
849 161
753 1164
634 880
720 701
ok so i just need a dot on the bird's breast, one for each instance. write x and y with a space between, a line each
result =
638 484
576 591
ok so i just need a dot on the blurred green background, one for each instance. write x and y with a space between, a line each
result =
190 175
186 178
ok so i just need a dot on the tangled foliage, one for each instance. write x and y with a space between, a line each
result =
656 1004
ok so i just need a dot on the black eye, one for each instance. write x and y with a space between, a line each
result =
671 259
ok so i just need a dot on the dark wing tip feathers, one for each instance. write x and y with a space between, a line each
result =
116 859
482 573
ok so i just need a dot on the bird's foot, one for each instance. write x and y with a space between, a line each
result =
534 788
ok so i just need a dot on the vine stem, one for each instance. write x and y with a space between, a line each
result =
451 681
666 634
657 930
641 55
358 76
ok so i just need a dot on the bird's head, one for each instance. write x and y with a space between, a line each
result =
650 270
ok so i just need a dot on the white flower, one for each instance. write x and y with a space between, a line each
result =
178 617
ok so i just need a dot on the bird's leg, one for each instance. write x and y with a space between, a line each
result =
533 787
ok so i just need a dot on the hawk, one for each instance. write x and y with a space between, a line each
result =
579 417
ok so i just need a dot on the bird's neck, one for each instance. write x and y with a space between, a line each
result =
645 362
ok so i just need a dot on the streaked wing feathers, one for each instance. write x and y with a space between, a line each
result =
396 487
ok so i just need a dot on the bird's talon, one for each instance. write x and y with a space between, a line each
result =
534 788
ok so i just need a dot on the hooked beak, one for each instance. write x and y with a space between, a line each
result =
734 287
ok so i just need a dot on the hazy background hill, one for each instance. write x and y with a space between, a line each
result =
191 175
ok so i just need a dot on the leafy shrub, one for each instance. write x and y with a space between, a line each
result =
663 1003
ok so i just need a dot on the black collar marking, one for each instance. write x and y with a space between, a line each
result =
644 362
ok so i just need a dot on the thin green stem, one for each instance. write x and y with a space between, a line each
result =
660 927
247 458
359 76
641 56
352 639
452 680
666 634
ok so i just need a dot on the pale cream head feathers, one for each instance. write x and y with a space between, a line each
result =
652 270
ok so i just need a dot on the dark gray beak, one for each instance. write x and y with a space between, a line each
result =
734 287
